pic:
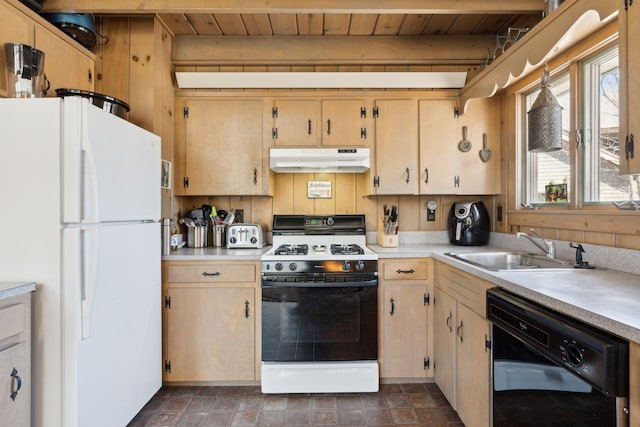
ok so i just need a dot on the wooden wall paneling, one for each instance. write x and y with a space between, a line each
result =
142 77
414 24
388 25
283 193
588 221
571 235
599 238
261 212
230 24
324 206
301 204
345 193
628 241
178 22
336 24
408 213
112 59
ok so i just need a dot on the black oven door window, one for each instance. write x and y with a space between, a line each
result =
309 324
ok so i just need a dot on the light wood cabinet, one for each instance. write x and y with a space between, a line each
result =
211 321
462 354
14 28
396 147
15 360
629 26
218 147
444 168
328 122
66 63
406 287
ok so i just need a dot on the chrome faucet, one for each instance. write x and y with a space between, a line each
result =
549 247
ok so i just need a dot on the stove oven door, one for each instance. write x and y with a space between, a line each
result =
319 322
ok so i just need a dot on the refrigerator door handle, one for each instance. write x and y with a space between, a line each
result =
89 281
89 174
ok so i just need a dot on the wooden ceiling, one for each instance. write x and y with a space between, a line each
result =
333 24
322 17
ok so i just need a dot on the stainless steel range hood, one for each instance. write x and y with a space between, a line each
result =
311 160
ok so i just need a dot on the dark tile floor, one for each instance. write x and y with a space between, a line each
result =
395 404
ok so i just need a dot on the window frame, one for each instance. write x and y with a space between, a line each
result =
558 66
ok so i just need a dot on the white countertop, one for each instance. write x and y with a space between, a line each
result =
605 298
12 289
211 253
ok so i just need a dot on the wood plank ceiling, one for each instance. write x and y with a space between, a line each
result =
298 24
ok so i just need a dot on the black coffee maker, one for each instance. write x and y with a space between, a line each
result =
468 224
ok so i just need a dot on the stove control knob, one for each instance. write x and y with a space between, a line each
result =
360 266
279 266
330 221
293 266
346 266
574 355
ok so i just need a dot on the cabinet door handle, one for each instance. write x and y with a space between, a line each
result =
449 322
393 307
15 378
459 331
328 127
407 171
255 176
309 127
207 274
405 271
426 175
246 309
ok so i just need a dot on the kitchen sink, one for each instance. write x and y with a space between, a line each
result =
510 261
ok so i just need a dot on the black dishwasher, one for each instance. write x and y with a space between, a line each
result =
552 370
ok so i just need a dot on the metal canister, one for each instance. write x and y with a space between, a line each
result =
166 236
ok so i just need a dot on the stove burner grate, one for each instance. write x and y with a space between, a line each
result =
292 250
341 249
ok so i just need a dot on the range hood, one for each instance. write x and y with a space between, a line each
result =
312 160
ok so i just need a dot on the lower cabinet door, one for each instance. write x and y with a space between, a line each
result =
444 344
405 331
15 379
472 367
210 334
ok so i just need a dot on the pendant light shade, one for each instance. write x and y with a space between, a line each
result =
545 120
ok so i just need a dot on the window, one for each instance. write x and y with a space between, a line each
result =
548 174
594 165
600 132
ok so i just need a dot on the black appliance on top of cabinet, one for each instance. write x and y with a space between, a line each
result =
468 224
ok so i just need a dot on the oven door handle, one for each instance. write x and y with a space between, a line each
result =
364 284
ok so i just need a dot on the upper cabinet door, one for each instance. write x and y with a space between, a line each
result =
453 159
629 25
344 122
295 122
222 148
66 63
14 28
396 166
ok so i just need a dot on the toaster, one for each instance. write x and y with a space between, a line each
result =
243 235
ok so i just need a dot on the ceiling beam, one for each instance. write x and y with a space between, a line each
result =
323 50
295 6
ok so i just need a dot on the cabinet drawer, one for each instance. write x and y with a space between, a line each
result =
409 269
462 286
211 273
12 320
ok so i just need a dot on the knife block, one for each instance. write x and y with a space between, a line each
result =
386 240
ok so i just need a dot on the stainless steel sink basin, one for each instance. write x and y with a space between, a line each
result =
510 261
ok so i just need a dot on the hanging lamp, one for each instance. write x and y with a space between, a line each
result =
545 119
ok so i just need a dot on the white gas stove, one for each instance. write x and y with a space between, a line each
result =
319 306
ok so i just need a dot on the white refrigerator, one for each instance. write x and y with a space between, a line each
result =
80 216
